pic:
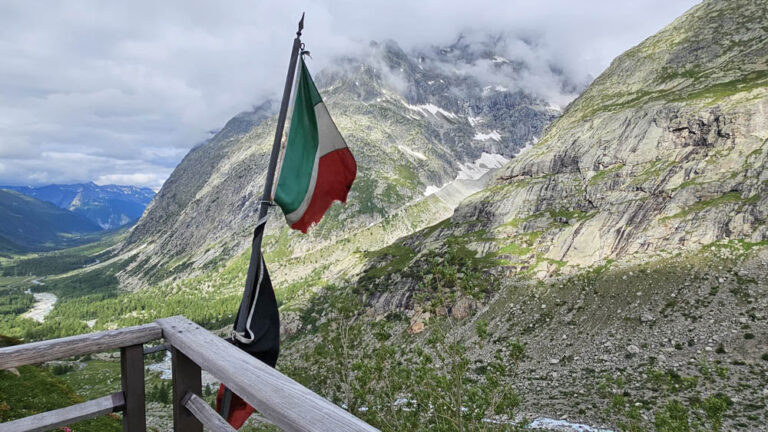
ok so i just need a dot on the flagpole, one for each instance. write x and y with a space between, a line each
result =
266 198
264 203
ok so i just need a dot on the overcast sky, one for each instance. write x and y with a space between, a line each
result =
118 92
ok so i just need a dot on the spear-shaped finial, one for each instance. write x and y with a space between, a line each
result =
301 25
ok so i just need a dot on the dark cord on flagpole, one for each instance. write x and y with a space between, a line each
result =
265 201
267 196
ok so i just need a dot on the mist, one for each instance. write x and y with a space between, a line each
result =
118 92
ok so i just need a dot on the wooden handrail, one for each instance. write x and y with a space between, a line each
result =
64 416
43 351
283 401
207 416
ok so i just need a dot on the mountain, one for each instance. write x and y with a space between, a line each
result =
425 132
497 260
29 224
627 250
666 150
109 206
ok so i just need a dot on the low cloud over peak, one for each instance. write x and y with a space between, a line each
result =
118 92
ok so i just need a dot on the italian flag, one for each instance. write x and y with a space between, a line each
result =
317 167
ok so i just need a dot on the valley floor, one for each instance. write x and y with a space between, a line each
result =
651 345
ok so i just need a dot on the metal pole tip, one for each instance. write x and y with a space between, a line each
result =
301 25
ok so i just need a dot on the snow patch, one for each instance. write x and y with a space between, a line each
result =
562 425
474 121
432 189
414 153
499 88
431 109
494 135
486 162
529 145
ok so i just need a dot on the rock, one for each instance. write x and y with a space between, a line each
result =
463 308
646 317
290 322
633 349
416 327
418 322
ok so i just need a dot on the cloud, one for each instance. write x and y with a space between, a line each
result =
126 88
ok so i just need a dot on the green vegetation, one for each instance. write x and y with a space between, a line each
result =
514 249
601 175
64 260
434 386
569 215
30 390
721 90
396 257
730 197
30 224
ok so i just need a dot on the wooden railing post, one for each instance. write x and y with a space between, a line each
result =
132 376
186 378
281 400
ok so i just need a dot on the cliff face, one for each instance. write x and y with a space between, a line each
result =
665 150
414 125
626 251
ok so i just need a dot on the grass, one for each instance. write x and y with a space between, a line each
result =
37 390
278 247
399 257
514 249
94 378
64 260
570 214
730 197
712 93
722 90
602 174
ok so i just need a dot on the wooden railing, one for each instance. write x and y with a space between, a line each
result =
280 400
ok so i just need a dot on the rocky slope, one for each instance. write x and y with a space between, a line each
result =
415 122
626 250
666 150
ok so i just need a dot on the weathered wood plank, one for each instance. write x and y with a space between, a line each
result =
156 348
186 379
207 415
280 399
43 351
132 377
65 416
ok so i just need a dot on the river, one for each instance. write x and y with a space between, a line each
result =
44 302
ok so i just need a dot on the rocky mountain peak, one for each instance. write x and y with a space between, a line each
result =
414 126
665 150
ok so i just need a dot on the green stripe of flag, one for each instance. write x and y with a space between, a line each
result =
301 147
